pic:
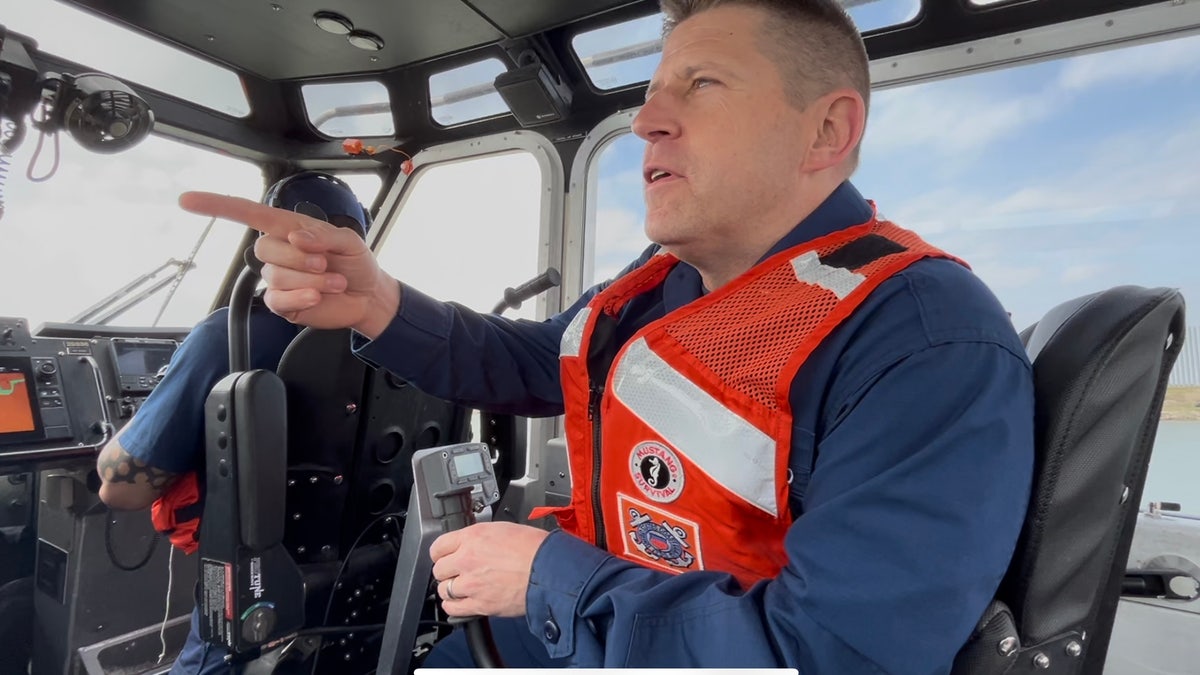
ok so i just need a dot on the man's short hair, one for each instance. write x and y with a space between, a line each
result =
814 43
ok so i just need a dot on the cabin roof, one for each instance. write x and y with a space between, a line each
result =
276 47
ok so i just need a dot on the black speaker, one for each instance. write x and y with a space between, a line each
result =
533 94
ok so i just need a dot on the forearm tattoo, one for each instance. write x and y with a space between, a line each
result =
117 466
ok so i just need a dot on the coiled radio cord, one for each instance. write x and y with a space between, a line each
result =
10 136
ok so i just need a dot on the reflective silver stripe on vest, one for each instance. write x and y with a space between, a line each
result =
726 447
572 337
836 280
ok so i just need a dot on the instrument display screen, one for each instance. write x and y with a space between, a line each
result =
16 402
141 357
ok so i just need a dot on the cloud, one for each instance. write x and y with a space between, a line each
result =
952 118
1001 275
957 117
1175 58
1079 218
1077 273
937 210
1127 178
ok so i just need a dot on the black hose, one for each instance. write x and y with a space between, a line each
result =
482 644
112 555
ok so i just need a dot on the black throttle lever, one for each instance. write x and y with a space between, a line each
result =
479 631
479 640
453 486
513 297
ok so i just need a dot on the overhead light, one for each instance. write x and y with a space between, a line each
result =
365 40
332 22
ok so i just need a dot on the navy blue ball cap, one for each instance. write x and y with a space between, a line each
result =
332 197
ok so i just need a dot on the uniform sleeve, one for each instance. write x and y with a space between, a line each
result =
479 360
168 430
915 503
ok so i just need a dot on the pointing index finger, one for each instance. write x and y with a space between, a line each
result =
252 214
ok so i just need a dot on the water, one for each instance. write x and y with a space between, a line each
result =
1174 474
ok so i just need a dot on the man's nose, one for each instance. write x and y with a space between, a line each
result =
657 119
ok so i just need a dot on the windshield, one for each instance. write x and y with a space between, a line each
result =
102 221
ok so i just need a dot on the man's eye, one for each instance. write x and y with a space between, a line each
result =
700 82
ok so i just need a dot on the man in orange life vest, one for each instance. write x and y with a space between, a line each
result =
799 435
156 457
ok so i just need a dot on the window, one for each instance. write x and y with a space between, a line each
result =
1053 180
876 14
627 53
120 219
346 109
127 55
466 93
468 230
617 237
365 185
622 54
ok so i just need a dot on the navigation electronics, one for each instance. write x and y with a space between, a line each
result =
61 397
141 362
32 405
16 398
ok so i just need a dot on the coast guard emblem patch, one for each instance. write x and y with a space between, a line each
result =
658 538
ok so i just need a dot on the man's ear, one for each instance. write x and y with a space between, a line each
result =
839 118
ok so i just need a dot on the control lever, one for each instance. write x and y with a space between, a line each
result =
251 591
453 486
1159 583
513 297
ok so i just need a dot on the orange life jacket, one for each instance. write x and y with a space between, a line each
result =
176 513
692 419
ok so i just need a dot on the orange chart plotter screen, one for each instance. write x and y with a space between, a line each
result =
15 413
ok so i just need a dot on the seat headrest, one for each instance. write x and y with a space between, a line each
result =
1036 336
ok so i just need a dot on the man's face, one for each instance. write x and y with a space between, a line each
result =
723 143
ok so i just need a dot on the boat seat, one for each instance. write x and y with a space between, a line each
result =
1101 364
352 432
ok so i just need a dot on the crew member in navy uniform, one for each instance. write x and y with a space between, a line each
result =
840 414
156 459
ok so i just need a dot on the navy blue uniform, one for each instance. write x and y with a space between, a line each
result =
912 460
